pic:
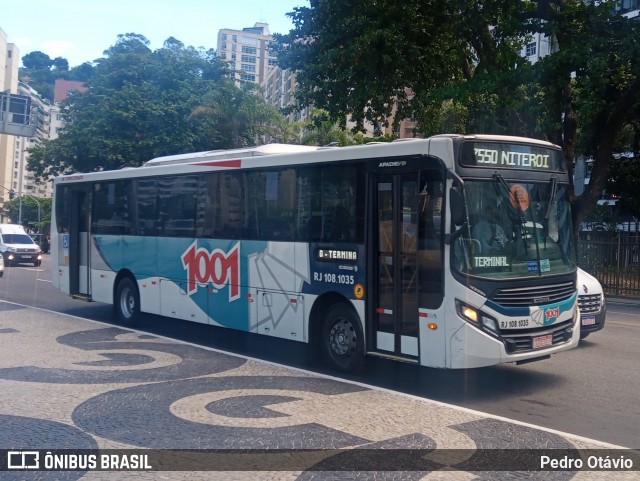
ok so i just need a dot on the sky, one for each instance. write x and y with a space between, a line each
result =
81 30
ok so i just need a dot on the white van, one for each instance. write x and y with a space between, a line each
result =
593 308
17 246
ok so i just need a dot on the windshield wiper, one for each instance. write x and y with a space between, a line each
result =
554 185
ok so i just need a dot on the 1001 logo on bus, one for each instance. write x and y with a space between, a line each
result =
217 267
551 314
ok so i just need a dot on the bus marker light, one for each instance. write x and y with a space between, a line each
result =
382 310
433 326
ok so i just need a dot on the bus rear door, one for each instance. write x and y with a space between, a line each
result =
79 241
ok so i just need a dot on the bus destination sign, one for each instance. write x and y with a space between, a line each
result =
511 156
337 255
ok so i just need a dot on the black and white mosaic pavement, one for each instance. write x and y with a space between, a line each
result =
70 384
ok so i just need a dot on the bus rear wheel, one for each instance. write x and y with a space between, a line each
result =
127 301
342 338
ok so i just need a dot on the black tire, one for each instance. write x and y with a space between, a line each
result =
37 263
342 341
126 303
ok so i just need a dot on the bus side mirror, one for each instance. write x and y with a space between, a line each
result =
457 206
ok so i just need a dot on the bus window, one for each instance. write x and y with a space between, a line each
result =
272 204
178 200
145 217
331 204
62 208
224 206
111 209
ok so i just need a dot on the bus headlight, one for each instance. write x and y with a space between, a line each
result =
478 318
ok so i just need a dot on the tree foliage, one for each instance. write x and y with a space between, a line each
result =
41 71
29 210
141 104
458 65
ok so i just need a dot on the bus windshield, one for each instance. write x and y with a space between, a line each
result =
516 229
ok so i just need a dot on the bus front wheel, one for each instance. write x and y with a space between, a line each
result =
342 338
127 301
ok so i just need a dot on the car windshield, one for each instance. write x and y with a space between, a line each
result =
17 239
515 229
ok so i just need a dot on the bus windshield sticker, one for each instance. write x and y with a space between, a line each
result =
492 261
519 197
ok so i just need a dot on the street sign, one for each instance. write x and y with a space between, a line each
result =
15 115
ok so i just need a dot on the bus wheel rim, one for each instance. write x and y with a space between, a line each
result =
342 337
127 303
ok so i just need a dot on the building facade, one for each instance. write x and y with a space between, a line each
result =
9 64
23 181
247 51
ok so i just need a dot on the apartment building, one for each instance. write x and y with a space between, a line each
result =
24 181
247 51
9 63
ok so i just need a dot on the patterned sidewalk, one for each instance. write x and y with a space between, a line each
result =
69 383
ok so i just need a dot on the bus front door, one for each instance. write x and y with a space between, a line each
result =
79 244
394 329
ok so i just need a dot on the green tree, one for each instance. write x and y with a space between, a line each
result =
321 130
452 64
37 61
591 85
286 131
624 178
29 210
137 107
236 116
362 60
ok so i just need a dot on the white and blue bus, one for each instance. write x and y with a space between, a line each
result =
379 249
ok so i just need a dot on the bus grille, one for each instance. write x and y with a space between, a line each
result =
589 303
534 296
522 341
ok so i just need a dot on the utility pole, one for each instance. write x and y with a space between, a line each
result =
20 208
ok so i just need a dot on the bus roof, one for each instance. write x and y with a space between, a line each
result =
266 149
282 155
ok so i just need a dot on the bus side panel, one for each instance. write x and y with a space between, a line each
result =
433 352
277 277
